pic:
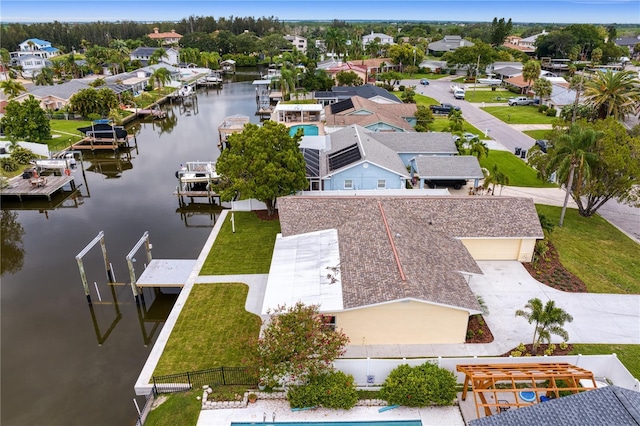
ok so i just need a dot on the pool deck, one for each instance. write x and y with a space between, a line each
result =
255 413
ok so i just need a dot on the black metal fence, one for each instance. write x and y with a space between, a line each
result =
212 377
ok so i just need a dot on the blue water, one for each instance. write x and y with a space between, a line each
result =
307 129
371 423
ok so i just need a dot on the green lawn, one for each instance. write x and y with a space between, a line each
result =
591 248
425 100
247 251
629 355
180 408
519 173
520 114
65 133
213 330
489 96
537 134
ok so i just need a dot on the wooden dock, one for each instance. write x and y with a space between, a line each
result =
44 187
103 143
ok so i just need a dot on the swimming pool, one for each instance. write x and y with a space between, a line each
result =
307 129
370 423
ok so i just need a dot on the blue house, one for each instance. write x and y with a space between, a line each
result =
357 161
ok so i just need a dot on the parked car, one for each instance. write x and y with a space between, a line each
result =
424 82
458 94
455 183
467 136
443 108
521 100
543 144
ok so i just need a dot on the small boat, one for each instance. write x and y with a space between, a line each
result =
490 81
185 91
213 78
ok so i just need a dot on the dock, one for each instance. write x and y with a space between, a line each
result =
43 186
229 126
195 180
166 273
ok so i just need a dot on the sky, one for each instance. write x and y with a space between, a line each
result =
539 11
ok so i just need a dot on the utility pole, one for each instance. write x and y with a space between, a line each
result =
475 81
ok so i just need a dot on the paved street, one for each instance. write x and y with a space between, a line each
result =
507 137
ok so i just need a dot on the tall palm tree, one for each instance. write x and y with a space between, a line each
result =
543 88
12 88
573 154
160 76
335 41
157 55
5 60
531 71
44 77
549 319
613 94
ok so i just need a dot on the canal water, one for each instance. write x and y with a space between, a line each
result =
64 362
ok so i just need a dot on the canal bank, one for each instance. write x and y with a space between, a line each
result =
91 356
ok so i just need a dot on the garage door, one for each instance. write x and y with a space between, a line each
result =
493 249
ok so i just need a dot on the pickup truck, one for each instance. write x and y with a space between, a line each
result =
521 100
443 108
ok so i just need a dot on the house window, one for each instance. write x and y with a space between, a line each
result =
329 322
348 184
382 184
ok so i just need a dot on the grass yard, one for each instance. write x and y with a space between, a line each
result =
629 355
247 251
488 96
65 133
441 123
425 100
180 408
213 330
519 114
537 134
591 248
519 173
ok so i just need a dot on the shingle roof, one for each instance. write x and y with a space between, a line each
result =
62 91
425 233
370 149
391 114
418 142
367 91
449 43
509 71
448 167
611 405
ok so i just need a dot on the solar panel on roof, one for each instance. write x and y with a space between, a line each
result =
341 106
312 161
344 157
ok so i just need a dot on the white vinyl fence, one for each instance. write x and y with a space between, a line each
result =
371 372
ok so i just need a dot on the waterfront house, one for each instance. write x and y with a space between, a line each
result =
54 97
394 270
143 54
374 116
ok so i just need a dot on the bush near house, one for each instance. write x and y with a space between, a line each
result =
419 386
329 390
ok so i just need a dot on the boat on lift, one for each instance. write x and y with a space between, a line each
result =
185 91
490 80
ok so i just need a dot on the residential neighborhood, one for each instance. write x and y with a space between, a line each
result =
412 222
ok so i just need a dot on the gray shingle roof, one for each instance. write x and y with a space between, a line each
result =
608 406
370 150
425 232
449 43
418 142
452 167
62 91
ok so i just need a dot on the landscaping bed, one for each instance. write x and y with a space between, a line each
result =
478 331
558 351
550 271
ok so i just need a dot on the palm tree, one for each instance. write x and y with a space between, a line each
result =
286 81
157 55
548 320
5 60
572 154
496 177
543 88
531 71
613 94
335 41
456 120
12 88
44 77
160 76
478 148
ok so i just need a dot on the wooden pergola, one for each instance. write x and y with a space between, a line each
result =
505 382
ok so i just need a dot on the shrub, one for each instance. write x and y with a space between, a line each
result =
9 164
401 88
551 112
419 386
22 155
543 108
329 390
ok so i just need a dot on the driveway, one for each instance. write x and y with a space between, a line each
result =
506 287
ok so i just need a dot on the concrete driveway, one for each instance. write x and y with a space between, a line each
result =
597 318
